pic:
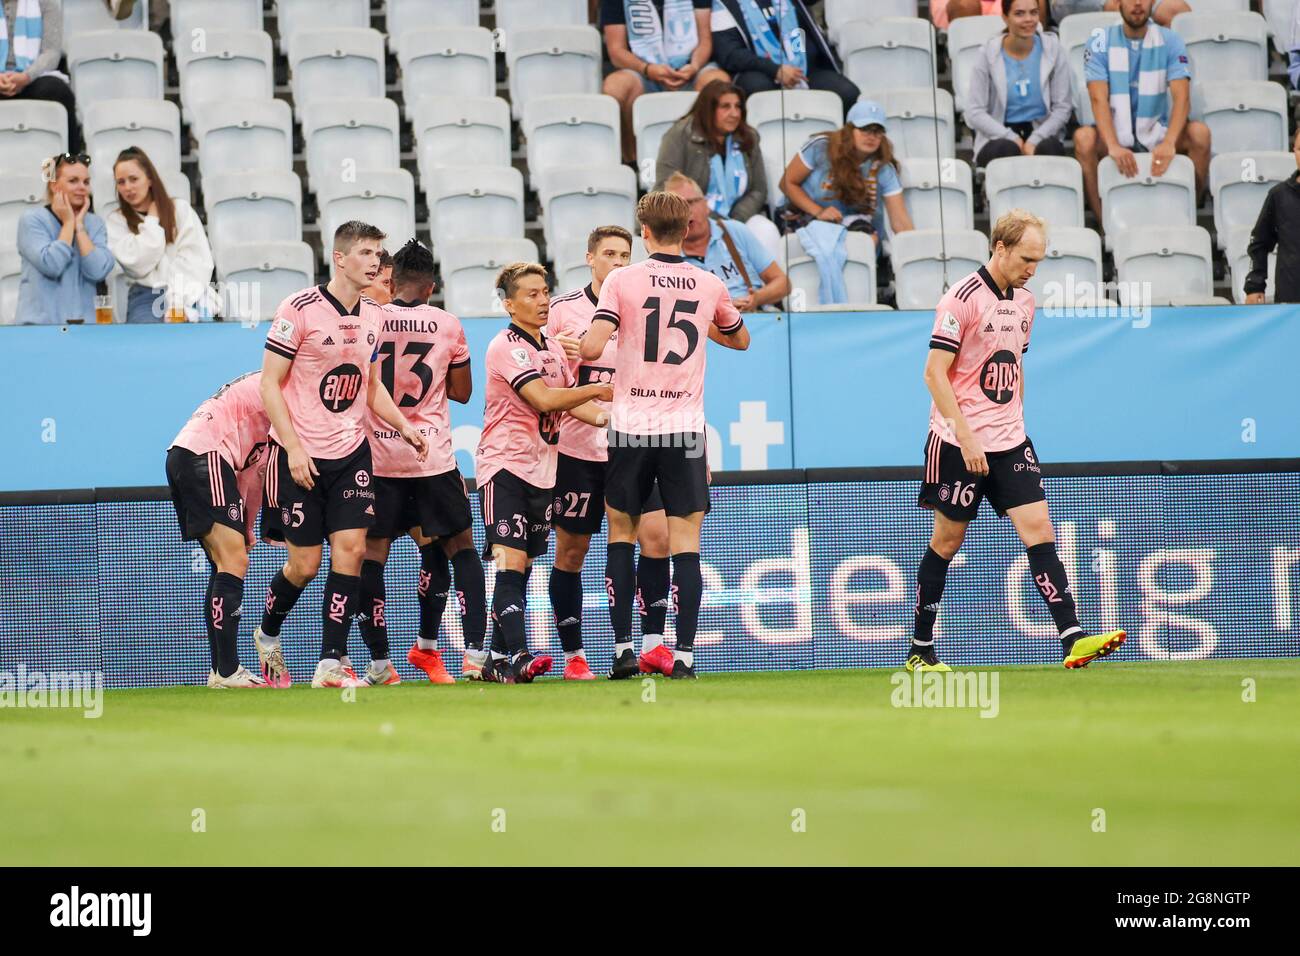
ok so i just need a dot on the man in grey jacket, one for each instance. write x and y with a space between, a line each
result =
1019 98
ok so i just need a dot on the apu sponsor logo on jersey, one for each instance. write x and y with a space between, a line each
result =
1000 376
340 387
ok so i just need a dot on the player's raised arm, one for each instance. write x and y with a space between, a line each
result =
544 398
604 323
460 383
281 347
729 326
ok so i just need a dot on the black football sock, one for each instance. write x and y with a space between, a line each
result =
471 591
1049 575
652 593
620 585
508 612
223 610
930 578
371 598
566 601
433 588
337 608
207 618
688 588
281 596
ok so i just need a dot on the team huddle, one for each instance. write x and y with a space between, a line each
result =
594 410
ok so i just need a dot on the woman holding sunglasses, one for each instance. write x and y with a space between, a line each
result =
64 248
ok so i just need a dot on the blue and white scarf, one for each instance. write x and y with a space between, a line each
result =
728 177
793 48
670 41
27 35
1153 87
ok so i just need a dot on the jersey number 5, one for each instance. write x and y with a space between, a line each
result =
684 326
388 370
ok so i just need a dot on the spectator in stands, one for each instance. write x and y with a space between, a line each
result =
1138 54
1162 11
160 244
1019 101
1278 227
842 176
64 248
729 250
31 46
714 144
777 45
382 288
655 46
943 12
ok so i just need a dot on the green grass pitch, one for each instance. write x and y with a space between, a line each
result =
714 772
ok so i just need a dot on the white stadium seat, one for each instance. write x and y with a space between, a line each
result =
266 205
11 270
805 279
460 131
405 16
296 16
652 115
564 130
1076 31
235 135
547 61
1157 265
446 61
469 272
31 131
927 262
966 39
840 12
913 115
474 202
257 276
1279 15
115 65
209 15
889 52
932 185
1146 200
569 262
1052 186
1236 250
575 197
344 135
785 120
175 182
86 16
1070 275
336 62
20 190
1219 6
516 15
112 125
1245 116
1239 182
232 64
385 197
1224 44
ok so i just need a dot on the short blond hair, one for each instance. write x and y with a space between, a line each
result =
508 278
665 214
1011 225
679 178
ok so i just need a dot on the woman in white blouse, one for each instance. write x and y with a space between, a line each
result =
160 245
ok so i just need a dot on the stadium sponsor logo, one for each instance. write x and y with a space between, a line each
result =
976 690
349 326
65 690
340 387
75 909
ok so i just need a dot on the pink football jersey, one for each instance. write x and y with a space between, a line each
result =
988 331
331 350
418 344
571 315
232 423
516 437
662 308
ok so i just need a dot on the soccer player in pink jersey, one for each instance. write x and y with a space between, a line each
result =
317 386
215 469
529 387
663 309
580 486
977 447
424 361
